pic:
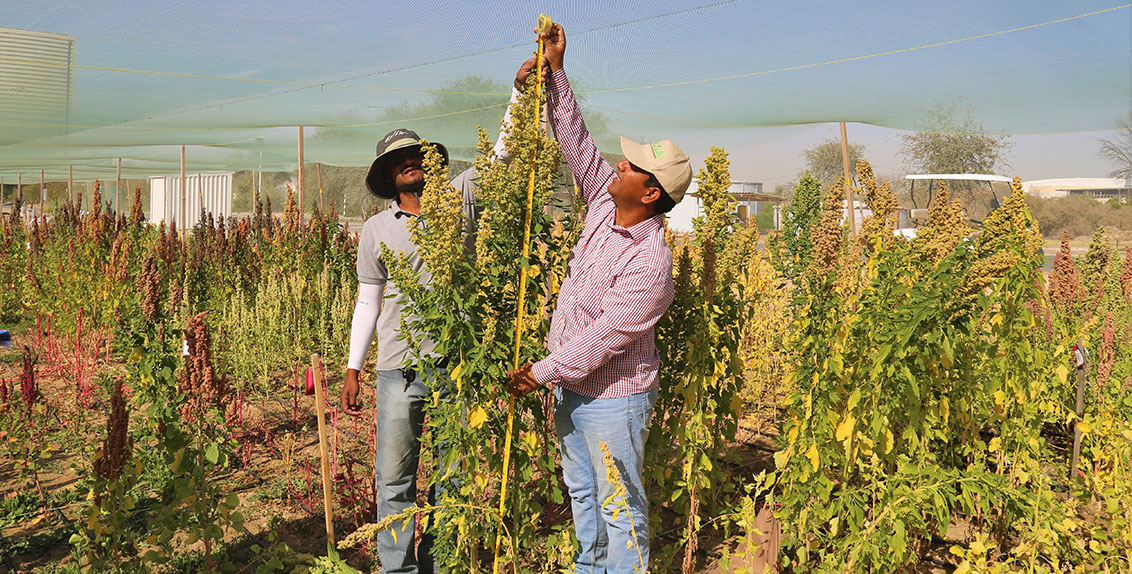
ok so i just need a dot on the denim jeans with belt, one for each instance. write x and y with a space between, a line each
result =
400 416
622 423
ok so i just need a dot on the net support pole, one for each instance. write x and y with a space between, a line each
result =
20 186
302 195
118 188
321 200
1 190
184 219
71 183
42 192
848 183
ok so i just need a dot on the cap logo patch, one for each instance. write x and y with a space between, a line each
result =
656 150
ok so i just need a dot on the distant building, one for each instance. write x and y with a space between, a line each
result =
1099 188
749 197
206 193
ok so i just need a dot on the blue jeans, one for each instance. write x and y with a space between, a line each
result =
622 423
400 416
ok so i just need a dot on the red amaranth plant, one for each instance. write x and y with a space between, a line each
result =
199 381
1126 273
116 447
1064 285
137 216
29 389
1106 356
149 285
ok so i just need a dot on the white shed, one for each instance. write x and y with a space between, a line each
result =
213 192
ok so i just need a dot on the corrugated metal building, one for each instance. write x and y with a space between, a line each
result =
213 193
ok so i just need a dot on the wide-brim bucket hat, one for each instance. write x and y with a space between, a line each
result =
377 180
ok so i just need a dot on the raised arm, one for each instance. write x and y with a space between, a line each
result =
592 173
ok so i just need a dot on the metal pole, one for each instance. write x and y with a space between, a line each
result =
302 196
42 192
20 186
71 184
184 220
848 182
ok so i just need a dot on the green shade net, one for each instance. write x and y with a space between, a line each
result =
84 83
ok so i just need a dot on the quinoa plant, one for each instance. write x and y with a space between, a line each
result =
468 306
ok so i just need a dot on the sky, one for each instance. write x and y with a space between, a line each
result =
766 79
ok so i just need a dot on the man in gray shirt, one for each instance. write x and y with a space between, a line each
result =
397 174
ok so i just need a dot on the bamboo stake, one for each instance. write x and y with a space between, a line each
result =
320 408
302 189
848 183
544 26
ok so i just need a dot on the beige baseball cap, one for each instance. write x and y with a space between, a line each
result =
663 159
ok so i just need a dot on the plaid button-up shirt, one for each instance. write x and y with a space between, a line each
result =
618 284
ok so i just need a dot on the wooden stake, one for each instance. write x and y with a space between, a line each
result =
320 408
302 196
1080 411
184 219
42 195
71 184
848 183
321 201
118 188
20 186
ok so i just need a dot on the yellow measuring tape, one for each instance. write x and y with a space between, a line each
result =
544 26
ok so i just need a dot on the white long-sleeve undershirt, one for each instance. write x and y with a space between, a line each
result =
366 312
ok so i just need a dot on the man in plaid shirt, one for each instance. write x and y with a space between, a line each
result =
603 360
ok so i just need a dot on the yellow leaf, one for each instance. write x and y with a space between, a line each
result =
1068 524
812 454
999 398
477 417
1084 427
1062 373
995 444
455 376
845 429
782 457
979 548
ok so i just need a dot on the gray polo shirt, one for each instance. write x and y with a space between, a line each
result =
391 227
